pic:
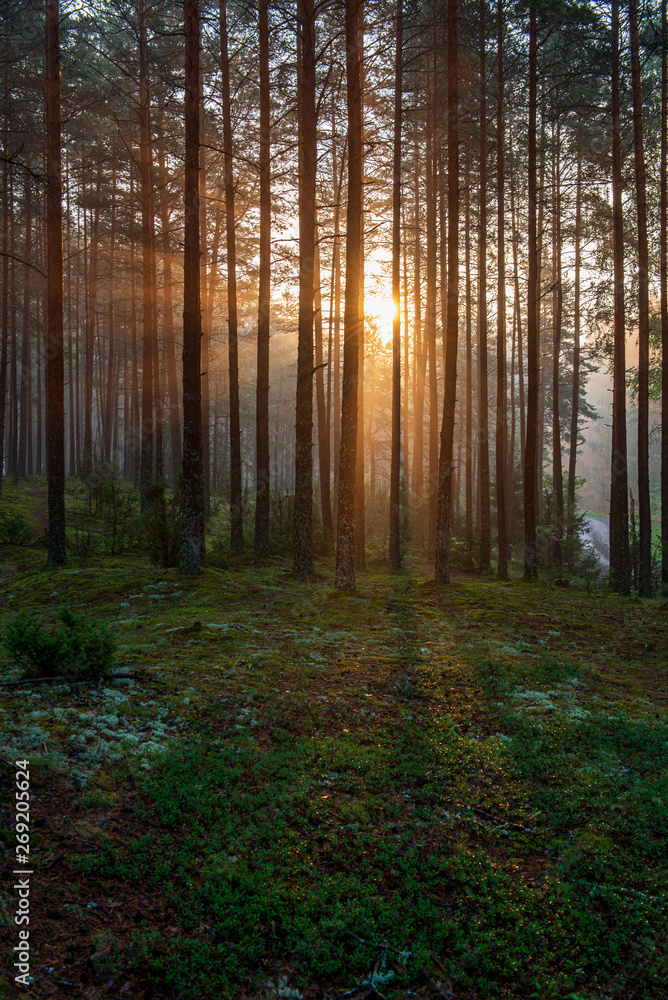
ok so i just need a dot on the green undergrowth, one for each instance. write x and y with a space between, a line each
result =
408 790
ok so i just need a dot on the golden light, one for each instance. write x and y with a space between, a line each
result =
383 310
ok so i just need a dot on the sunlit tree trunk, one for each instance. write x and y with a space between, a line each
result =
302 557
483 410
345 547
644 509
575 399
663 266
236 496
501 390
395 460
557 307
192 510
442 566
468 489
620 566
55 370
150 328
430 312
261 538
531 447
420 355
323 426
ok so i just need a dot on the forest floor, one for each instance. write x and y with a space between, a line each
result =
410 791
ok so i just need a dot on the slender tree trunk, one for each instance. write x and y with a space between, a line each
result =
442 567
644 509
323 426
236 497
55 371
483 391
469 367
501 390
149 332
192 510
205 311
395 461
518 313
26 387
345 548
261 540
575 399
420 361
663 266
91 316
533 293
620 566
4 342
557 308
168 334
360 491
302 560
430 315
111 388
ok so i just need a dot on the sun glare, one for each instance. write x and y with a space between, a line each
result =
383 310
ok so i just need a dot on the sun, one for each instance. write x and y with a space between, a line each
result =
383 310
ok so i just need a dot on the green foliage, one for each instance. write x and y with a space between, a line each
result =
15 529
80 648
162 523
103 512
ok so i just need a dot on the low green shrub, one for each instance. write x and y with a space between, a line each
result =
80 648
15 529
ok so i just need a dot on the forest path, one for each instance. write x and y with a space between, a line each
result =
598 530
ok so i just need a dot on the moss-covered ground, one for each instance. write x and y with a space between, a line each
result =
414 790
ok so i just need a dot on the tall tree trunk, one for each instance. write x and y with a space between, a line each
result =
360 491
168 335
644 509
420 366
483 410
55 370
236 496
91 254
323 426
501 396
149 332
469 366
395 460
620 566
442 567
575 399
518 314
4 341
26 388
302 559
533 294
663 226
192 510
345 548
261 539
111 389
206 310
557 308
430 313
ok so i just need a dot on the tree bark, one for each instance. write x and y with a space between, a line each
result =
442 567
345 548
149 331
302 557
4 341
55 370
261 539
468 489
533 292
663 267
26 380
395 460
620 565
236 496
483 406
575 399
501 390
557 308
192 509
323 425
644 508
